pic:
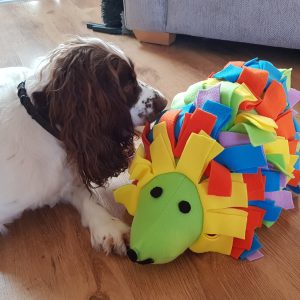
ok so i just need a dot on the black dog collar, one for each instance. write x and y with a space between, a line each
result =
31 110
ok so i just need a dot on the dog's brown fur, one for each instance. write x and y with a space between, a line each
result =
88 98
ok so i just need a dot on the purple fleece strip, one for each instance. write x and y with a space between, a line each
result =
256 255
282 180
282 199
212 94
229 139
293 97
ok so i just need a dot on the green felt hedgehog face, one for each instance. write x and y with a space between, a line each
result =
190 192
169 205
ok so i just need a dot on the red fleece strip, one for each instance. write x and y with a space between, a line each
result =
274 101
219 182
255 185
254 220
235 63
185 124
249 105
285 125
255 79
146 141
293 146
295 181
207 170
199 120
170 117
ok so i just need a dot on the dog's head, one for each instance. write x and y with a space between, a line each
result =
93 96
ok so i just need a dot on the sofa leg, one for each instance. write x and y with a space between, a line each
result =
160 38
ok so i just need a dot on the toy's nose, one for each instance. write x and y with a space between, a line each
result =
132 255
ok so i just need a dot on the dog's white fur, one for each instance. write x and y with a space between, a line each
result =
34 170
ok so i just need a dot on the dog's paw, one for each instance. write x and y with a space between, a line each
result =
111 236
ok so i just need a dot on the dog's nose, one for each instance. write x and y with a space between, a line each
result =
159 103
132 255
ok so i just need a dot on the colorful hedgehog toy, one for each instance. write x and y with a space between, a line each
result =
216 166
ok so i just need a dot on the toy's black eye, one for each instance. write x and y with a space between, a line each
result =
184 207
156 192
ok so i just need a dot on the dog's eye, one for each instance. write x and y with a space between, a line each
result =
131 80
130 83
184 207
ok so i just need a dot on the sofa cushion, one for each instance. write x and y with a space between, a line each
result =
274 23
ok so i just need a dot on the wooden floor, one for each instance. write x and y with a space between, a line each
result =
47 254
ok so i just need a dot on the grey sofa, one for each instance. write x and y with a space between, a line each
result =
266 22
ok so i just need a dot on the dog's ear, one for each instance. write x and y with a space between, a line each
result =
86 102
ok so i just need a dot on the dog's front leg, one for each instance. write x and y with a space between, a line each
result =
107 232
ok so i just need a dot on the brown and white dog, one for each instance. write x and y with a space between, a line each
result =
88 91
